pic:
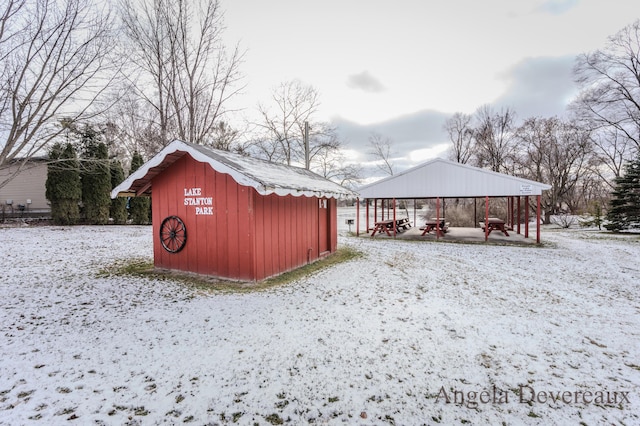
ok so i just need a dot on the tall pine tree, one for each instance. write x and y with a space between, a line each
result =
96 177
139 207
119 204
63 186
624 208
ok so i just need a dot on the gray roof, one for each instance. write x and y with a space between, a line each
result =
443 178
266 177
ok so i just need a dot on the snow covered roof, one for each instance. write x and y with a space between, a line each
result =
443 178
266 177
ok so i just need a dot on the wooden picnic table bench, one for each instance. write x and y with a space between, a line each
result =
431 225
495 224
389 226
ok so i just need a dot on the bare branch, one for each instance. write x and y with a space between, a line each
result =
380 148
54 63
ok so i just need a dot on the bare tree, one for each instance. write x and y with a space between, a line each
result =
131 128
181 67
380 148
493 146
460 132
557 153
332 165
224 137
282 121
282 126
612 150
54 63
609 101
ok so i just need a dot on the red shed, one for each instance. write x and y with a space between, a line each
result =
226 215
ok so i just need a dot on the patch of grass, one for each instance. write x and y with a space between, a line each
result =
140 411
593 342
143 267
343 254
25 394
274 419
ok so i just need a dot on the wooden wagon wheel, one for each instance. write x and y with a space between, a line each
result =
173 234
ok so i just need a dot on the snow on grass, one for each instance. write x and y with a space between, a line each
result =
378 340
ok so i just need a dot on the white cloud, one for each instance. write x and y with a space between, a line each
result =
539 87
365 81
558 7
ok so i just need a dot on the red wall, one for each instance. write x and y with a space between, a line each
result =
248 236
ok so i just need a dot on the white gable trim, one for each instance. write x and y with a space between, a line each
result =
321 188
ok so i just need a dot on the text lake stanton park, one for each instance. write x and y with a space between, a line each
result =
528 395
193 197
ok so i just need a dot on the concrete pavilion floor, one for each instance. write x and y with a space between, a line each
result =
464 235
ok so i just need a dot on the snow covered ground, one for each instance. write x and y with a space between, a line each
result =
518 335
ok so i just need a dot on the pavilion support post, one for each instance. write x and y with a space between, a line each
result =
375 210
475 213
486 218
526 216
394 217
510 202
357 216
367 219
538 219
414 213
519 216
437 217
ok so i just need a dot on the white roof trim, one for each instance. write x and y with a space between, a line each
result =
266 177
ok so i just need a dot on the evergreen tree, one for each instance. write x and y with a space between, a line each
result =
96 177
119 204
139 207
624 208
63 187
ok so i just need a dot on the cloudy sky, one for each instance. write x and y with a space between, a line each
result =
401 68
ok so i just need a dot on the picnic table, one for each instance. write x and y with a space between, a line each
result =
494 223
433 224
389 226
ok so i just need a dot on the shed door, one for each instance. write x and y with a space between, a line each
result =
323 225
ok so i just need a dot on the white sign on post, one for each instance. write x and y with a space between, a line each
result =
526 189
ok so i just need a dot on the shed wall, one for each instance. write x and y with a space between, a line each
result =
219 243
292 231
248 236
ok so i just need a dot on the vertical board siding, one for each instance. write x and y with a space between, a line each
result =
259 232
233 228
333 227
222 226
289 237
248 236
